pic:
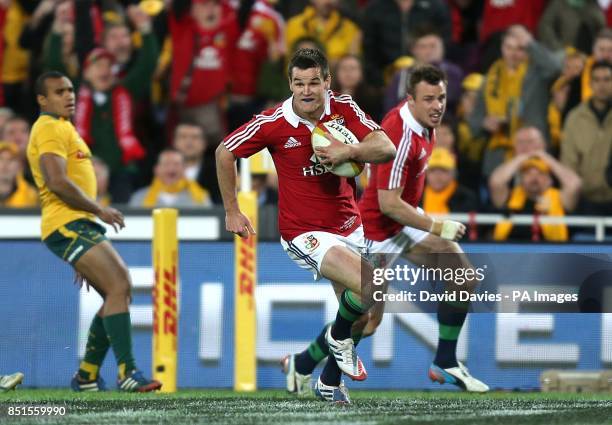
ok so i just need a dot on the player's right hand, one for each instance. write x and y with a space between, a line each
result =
448 229
239 224
112 216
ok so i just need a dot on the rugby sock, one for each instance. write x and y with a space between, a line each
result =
331 374
119 330
95 350
307 360
450 320
350 310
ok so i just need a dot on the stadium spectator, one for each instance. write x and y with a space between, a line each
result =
586 144
322 20
443 194
204 35
9 382
36 29
570 23
572 67
61 38
427 48
445 136
102 172
498 16
17 130
15 191
580 89
259 56
105 121
349 79
170 187
5 114
534 194
189 140
515 94
387 26
262 168
464 47
470 149
14 60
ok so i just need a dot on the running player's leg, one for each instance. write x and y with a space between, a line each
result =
103 266
87 378
352 275
434 251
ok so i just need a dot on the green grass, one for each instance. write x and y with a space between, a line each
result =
277 408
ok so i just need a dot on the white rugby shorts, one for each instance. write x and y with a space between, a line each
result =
308 249
396 244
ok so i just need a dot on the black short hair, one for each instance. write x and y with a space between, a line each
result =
40 88
601 64
309 58
428 73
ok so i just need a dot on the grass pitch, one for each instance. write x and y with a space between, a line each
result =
278 408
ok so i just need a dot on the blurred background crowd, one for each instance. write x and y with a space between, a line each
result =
528 127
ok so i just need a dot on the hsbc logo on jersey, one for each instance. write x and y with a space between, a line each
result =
316 169
310 243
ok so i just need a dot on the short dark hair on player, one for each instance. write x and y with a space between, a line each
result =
428 73
309 58
40 88
601 64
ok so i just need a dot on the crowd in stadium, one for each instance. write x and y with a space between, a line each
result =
528 127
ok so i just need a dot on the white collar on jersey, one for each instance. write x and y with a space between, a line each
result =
293 119
412 122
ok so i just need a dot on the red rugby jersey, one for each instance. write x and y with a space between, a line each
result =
310 198
407 170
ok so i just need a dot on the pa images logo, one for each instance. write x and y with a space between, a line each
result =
310 243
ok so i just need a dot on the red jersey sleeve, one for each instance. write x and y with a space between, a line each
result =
392 174
251 137
355 119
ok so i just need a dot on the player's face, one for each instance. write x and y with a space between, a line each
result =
60 99
428 104
308 88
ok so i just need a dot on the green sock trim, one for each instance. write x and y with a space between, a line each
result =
450 333
315 352
95 350
356 338
353 301
119 330
346 314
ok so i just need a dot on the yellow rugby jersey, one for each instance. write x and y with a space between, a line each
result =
58 136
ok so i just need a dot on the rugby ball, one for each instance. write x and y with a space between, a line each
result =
340 132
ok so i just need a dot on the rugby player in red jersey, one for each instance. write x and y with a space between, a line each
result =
396 226
319 220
